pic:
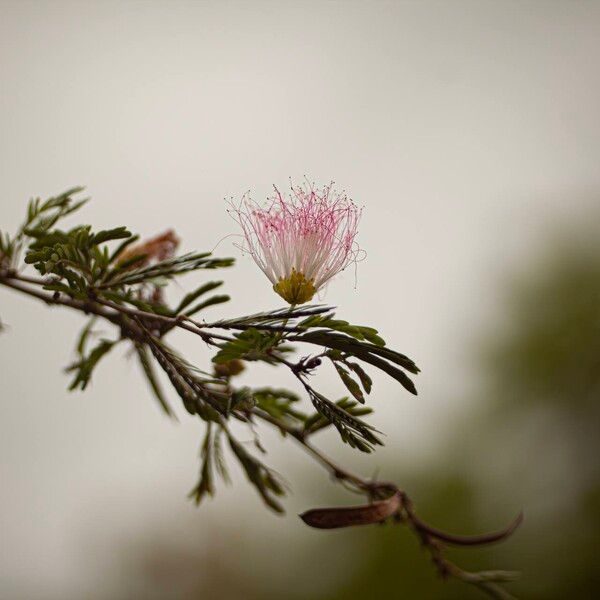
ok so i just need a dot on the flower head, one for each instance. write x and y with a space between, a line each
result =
302 241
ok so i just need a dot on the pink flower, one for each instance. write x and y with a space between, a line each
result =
302 241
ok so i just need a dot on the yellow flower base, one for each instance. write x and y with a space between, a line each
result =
295 289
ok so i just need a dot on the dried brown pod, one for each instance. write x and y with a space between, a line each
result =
367 514
158 248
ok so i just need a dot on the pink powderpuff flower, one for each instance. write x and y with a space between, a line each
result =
302 241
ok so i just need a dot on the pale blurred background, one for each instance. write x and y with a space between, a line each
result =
469 131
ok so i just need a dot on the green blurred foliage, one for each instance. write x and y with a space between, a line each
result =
551 354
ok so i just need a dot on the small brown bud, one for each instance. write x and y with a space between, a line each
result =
231 368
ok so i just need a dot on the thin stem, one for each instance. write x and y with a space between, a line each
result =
9 278
175 321
182 322
51 299
301 437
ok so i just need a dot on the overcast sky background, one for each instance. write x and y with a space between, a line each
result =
467 130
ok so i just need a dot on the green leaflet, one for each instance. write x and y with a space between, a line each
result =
353 431
146 363
84 368
205 485
192 296
317 421
165 269
375 355
365 380
352 386
250 344
267 484
360 332
279 403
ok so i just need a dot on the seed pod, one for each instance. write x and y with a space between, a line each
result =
334 518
